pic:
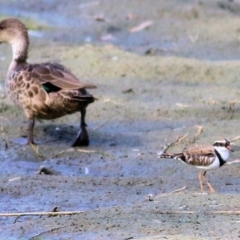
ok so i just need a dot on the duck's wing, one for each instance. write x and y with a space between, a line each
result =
57 75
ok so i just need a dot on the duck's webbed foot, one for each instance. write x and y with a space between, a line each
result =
82 138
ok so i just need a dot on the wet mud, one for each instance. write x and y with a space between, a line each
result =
178 77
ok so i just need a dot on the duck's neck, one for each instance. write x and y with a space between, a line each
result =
20 49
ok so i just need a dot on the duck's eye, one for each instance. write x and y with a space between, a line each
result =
1 27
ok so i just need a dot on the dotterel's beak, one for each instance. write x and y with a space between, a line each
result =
229 148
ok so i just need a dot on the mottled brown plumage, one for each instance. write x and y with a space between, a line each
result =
46 90
201 156
204 158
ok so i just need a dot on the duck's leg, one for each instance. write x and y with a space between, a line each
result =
200 181
212 190
82 137
31 124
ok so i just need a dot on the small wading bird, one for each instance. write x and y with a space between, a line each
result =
46 90
204 158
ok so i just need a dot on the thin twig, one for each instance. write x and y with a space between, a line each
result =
178 190
166 194
88 4
234 161
199 132
84 151
237 212
168 145
39 213
17 218
141 27
101 125
73 150
49 230
235 139
55 210
36 150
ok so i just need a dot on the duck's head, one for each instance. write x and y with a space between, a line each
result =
13 30
222 145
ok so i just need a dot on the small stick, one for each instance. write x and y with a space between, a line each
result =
71 150
234 161
237 212
101 125
49 230
17 218
178 190
223 212
230 212
84 151
165 194
36 150
235 139
88 4
55 209
199 132
39 213
179 139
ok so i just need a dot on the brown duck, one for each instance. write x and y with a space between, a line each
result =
46 90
